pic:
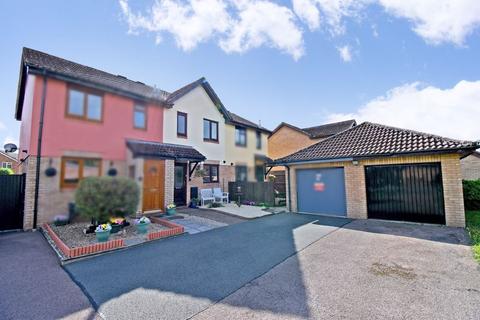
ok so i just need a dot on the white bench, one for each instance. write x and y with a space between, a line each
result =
206 195
219 194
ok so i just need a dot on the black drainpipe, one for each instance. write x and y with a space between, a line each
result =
289 191
39 150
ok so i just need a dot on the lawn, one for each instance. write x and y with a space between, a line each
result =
473 227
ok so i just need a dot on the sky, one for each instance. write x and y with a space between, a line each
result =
406 63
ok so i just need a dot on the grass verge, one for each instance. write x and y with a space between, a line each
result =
473 227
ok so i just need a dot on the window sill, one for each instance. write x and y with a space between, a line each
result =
211 141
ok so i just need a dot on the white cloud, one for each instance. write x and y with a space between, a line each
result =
2 126
452 112
331 12
236 25
241 25
264 23
345 53
190 23
438 21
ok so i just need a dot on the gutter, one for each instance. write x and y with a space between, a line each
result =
59 76
39 149
286 164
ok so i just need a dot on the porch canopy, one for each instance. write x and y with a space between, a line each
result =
177 152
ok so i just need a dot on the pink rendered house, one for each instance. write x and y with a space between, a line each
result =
78 121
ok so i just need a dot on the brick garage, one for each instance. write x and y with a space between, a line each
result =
369 145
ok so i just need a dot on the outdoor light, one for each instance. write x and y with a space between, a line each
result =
355 162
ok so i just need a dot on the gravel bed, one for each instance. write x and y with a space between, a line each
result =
73 234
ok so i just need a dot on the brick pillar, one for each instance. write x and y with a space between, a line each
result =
30 168
453 191
355 190
169 181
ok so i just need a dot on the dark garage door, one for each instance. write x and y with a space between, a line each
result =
321 191
412 192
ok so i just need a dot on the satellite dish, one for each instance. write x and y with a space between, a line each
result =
10 147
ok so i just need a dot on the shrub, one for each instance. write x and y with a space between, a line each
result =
215 205
6 171
100 198
471 194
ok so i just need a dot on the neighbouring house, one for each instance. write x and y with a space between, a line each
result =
471 166
9 161
377 171
234 148
286 139
77 122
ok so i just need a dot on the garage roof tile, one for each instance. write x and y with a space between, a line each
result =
373 140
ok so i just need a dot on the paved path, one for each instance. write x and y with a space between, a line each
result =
366 270
179 277
32 283
247 212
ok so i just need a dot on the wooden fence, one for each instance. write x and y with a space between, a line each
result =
259 192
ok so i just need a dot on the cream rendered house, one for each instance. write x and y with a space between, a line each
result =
234 148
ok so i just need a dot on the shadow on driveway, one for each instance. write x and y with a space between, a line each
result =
179 277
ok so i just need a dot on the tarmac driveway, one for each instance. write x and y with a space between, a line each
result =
366 270
179 277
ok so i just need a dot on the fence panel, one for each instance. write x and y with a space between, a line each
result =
252 191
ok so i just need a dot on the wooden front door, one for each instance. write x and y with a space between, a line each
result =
180 184
153 185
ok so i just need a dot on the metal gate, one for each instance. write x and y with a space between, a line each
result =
410 192
12 197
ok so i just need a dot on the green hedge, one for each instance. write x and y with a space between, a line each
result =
6 171
471 194
100 198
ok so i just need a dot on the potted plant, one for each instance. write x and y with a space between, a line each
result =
117 224
142 224
194 203
171 208
102 232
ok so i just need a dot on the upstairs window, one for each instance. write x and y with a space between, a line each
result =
259 140
210 173
84 105
240 136
139 117
181 124
210 130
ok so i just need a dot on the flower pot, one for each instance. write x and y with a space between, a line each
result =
116 228
142 227
102 236
171 212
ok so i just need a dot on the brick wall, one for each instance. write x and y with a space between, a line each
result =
52 199
169 182
226 174
287 141
356 191
470 167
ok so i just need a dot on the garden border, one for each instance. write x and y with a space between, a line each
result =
71 253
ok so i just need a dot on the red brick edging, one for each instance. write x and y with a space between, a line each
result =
68 252
81 251
174 229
